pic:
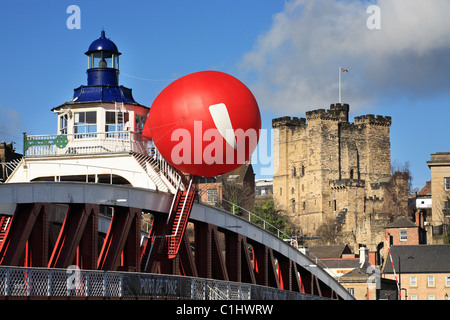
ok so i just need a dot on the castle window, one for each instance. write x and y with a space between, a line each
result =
281 191
304 205
351 174
447 183
292 190
294 172
303 171
293 205
334 205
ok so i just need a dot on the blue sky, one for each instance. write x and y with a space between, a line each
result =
287 52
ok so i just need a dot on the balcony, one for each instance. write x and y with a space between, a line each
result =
94 143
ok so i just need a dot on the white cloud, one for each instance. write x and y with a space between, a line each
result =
10 124
293 67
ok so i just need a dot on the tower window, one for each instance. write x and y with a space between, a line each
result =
63 121
115 121
140 122
293 205
85 122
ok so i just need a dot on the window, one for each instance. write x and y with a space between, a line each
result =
334 205
304 205
447 281
403 235
293 205
446 208
351 291
294 172
140 122
413 281
447 183
115 121
211 195
85 122
431 297
413 297
430 281
63 120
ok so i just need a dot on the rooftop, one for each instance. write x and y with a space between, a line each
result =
420 259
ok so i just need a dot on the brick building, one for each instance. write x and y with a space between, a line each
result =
326 167
423 271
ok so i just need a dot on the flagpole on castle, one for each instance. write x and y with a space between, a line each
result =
339 70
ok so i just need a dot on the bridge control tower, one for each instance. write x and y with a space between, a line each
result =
99 134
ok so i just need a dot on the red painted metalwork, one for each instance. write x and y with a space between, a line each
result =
5 223
77 238
166 235
26 242
178 224
123 238
209 251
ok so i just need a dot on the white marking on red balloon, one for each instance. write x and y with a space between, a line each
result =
221 118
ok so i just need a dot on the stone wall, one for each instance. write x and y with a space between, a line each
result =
327 165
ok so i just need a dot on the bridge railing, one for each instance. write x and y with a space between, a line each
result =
85 143
17 282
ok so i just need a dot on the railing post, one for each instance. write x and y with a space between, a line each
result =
49 283
8 282
105 284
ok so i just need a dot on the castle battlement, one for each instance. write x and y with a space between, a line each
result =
372 120
337 112
288 122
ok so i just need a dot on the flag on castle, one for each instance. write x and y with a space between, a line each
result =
340 70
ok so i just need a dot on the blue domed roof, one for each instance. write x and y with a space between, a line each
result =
103 44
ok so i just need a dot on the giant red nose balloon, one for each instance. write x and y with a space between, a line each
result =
206 123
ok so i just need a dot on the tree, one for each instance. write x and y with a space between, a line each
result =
274 218
330 230
236 196
395 198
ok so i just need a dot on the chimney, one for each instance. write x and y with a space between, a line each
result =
419 218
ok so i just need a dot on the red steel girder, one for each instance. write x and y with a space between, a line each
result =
27 237
121 247
77 239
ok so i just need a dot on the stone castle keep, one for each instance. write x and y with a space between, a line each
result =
328 167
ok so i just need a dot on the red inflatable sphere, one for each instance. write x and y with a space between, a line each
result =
206 123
